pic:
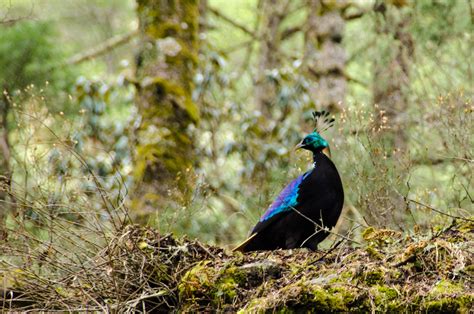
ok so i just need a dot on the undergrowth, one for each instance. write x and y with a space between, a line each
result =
403 243
140 270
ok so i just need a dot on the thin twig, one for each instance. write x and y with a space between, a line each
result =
322 228
438 211
230 21
103 48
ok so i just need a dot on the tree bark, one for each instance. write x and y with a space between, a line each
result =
5 153
390 97
166 66
392 75
325 57
269 57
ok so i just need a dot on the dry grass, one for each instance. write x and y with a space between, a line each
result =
139 270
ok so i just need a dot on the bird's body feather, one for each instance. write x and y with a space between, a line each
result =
302 211
286 200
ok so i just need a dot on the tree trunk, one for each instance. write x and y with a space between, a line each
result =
390 96
166 66
392 75
325 58
269 56
5 168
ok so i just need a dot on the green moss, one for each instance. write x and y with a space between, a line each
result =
466 227
256 305
295 269
304 296
444 287
448 297
367 233
226 290
205 281
342 296
163 86
227 284
445 305
233 271
196 281
469 269
192 109
462 303
167 29
346 275
373 252
373 277
388 293
386 298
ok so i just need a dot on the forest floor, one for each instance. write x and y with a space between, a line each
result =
143 271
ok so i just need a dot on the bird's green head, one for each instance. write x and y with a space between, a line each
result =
313 142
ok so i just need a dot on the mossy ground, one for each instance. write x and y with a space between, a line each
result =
143 270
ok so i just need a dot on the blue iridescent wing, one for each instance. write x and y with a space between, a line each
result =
286 200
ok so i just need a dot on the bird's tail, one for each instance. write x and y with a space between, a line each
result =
241 246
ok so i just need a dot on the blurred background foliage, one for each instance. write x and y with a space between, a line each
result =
397 75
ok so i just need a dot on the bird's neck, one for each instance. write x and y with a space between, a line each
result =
316 157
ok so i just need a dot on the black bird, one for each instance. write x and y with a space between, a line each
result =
307 207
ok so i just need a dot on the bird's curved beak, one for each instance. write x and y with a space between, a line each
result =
326 151
298 146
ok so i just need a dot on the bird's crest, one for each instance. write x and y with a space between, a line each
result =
322 121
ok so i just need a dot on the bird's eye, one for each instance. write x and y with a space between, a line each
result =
307 140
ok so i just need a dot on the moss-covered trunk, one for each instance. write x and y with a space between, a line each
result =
166 65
